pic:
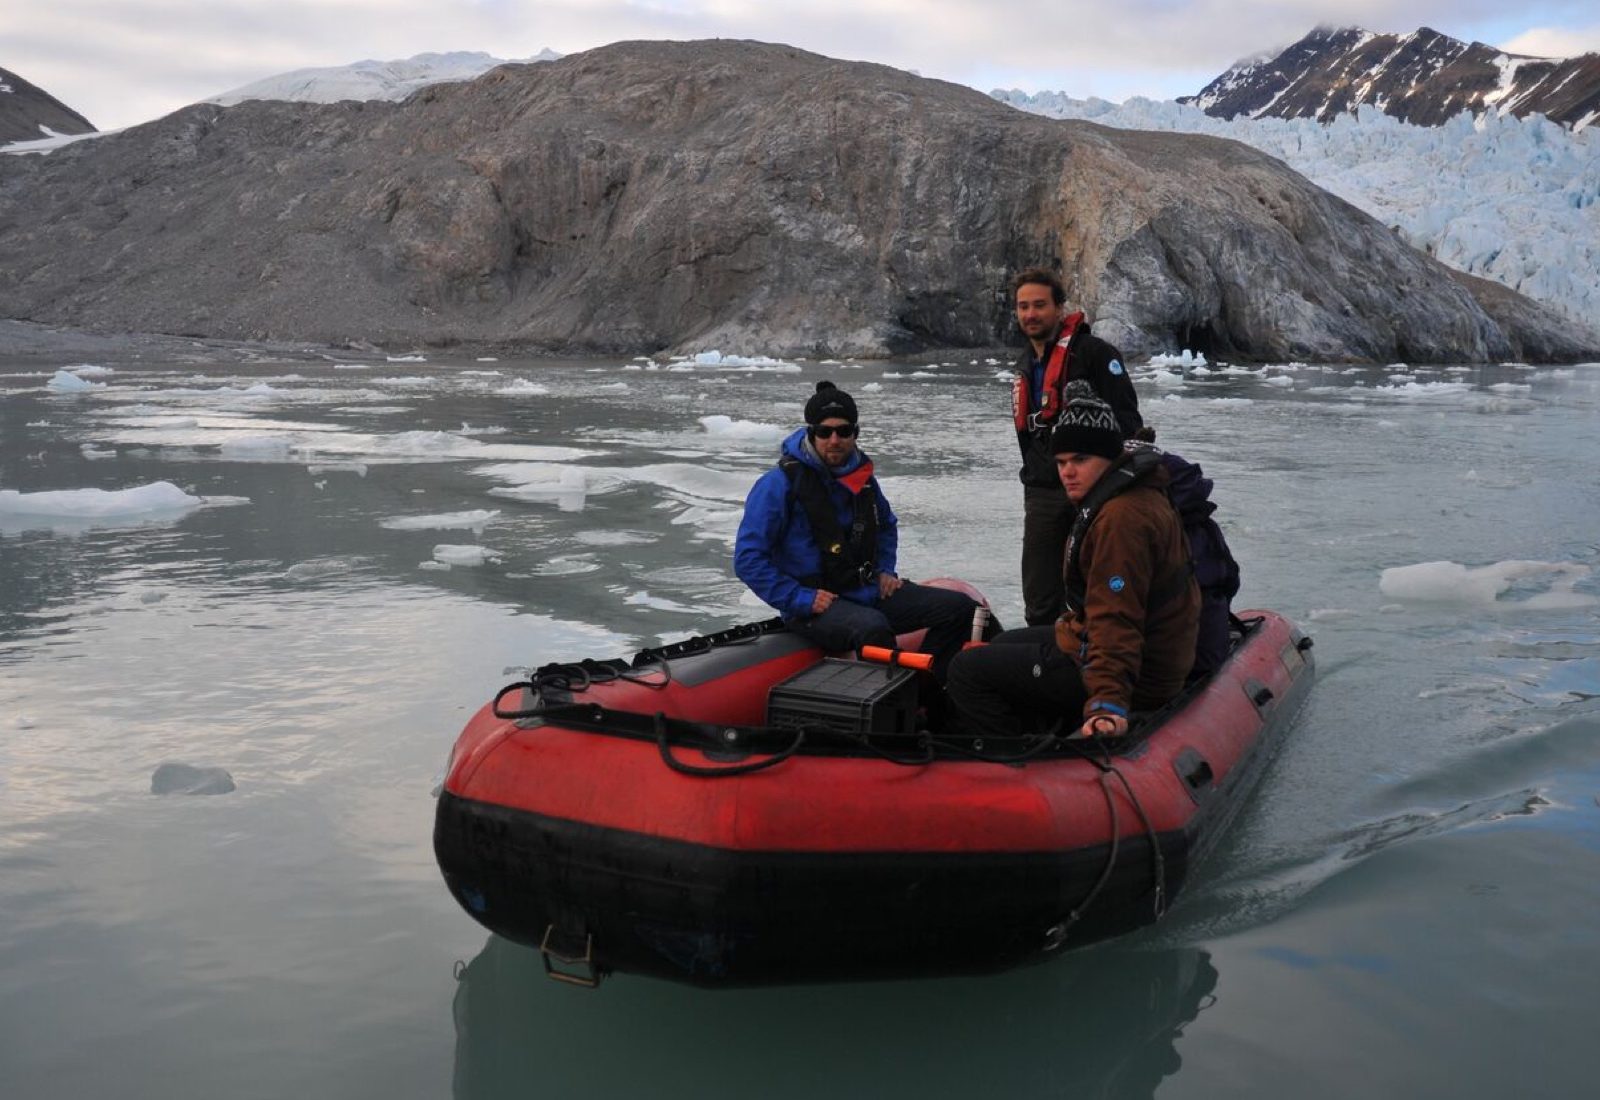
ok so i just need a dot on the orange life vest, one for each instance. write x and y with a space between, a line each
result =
1056 375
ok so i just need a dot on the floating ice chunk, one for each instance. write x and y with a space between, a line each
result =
742 362
90 451
1511 387
872 387
1166 378
475 520
564 486
609 387
403 380
656 603
357 468
454 555
156 497
487 359
91 370
521 387
726 427
64 381
614 538
258 447
412 358
351 366
1450 582
1184 359
1279 380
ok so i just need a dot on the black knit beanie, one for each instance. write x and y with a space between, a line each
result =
829 402
1087 425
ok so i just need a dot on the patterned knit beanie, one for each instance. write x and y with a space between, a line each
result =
1087 425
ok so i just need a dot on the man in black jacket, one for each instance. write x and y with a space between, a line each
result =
1059 349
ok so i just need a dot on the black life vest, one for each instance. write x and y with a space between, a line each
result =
848 557
1134 467
1057 373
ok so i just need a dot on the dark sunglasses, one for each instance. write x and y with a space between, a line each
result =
828 431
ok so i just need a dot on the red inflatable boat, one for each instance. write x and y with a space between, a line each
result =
737 810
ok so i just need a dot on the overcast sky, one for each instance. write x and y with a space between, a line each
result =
120 62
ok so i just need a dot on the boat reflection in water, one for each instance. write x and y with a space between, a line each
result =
1102 1022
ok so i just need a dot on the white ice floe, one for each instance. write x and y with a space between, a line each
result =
1329 614
541 483
406 358
91 507
1450 582
90 451
726 427
715 360
403 380
475 520
872 387
453 555
65 381
521 387
91 370
615 538
1184 360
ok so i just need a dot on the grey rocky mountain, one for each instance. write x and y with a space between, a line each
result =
25 109
657 196
1425 78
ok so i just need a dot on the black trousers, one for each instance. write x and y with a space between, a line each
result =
1047 517
1019 683
846 626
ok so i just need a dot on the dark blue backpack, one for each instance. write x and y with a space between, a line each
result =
1215 569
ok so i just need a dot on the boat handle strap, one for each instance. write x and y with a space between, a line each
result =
730 769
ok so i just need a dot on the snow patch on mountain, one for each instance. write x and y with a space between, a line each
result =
1508 199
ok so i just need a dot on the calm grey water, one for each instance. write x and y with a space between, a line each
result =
1406 909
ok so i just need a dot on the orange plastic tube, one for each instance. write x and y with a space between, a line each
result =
905 658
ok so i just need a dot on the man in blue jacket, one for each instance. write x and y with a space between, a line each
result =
818 540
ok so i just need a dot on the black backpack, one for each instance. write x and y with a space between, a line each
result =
1215 570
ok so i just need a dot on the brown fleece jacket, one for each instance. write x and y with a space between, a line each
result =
1133 656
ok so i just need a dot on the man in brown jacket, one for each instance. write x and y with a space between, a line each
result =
1127 639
